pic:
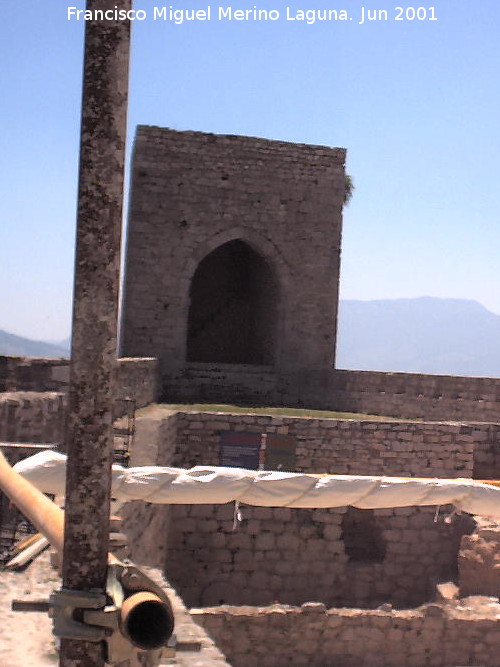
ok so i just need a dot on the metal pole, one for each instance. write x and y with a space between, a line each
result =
95 313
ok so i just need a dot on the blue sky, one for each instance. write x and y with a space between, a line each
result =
416 103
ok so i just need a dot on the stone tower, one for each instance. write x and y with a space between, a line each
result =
232 263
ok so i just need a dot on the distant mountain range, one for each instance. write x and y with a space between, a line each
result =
424 335
17 346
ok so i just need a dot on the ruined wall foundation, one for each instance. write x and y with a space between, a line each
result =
312 635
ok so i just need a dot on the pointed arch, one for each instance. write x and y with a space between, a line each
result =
261 244
233 307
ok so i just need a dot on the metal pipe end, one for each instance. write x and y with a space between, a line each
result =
147 621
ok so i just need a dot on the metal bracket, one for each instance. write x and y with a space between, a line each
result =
98 622
64 605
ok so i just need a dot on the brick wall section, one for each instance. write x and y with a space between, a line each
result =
32 417
147 525
299 555
294 556
223 383
410 395
405 395
193 192
137 378
340 446
278 636
33 374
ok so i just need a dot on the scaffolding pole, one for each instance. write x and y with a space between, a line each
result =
88 439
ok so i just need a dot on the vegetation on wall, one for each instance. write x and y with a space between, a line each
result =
349 188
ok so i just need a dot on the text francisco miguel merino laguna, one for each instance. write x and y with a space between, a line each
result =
209 13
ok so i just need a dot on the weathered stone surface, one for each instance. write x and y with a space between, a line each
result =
29 416
297 556
354 637
135 378
479 560
194 194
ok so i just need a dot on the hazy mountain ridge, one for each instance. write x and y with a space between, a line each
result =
17 346
424 335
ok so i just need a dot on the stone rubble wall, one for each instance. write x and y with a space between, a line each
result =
300 556
479 560
487 452
294 556
33 374
339 446
277 549
412 395
222 383
145 524
431 636
136 378
28 416
404 395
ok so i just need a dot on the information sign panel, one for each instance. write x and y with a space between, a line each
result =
280 452
240 450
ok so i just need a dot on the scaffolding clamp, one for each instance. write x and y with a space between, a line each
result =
70 613
85 616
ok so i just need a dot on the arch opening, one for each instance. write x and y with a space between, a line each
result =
233 312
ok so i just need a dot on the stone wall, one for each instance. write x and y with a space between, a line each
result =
271 205
295 556
479 560
33 374
222 383
432 397
36 417
137 378
299 555
432 636
405 395
340 446
487 452
147 525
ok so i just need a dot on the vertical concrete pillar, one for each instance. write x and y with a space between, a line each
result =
95 310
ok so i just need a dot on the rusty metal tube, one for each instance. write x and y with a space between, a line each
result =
146 621
45 515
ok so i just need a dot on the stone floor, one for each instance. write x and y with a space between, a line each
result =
26 638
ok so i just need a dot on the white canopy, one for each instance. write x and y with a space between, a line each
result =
215 485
